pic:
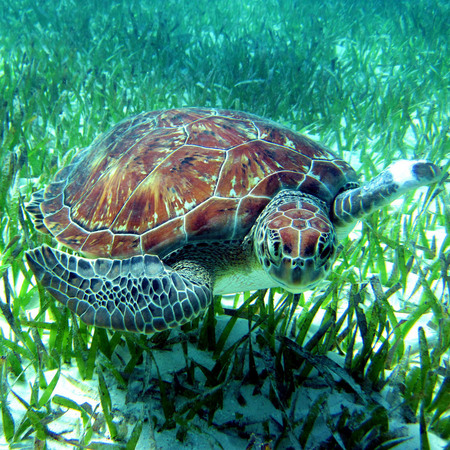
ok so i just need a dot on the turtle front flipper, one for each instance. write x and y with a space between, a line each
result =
399 178
140 294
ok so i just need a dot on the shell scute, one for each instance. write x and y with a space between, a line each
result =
270 185
329 174
59 181
313 186
220 132
125 246
249 208
271 132
213 219
164 238
52 205
98 239
58 221
181 117
251 163
73 236
54 189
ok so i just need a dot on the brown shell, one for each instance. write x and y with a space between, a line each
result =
160 179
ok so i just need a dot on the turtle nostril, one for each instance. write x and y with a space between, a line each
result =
298 263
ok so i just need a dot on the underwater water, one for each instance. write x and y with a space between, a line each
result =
360 361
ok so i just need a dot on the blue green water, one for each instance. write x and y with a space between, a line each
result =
308 62
368 78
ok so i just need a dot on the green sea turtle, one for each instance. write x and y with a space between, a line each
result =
171 207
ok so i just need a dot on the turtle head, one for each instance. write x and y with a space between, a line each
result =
295 241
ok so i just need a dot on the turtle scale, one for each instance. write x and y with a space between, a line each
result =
161 179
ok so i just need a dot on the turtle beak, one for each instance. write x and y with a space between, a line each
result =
295 278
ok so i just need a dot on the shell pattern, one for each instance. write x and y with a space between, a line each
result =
161 179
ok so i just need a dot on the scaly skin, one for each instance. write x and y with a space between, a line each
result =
400 177
139 294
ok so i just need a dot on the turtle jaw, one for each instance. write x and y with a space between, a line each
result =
295 242
297 279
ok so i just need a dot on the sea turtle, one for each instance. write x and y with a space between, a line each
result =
173 206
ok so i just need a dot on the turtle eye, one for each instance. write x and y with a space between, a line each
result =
274 247
326 249
325 252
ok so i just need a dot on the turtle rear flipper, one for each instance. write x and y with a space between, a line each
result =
400 177
140 294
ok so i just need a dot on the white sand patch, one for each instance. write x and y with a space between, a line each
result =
244 407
